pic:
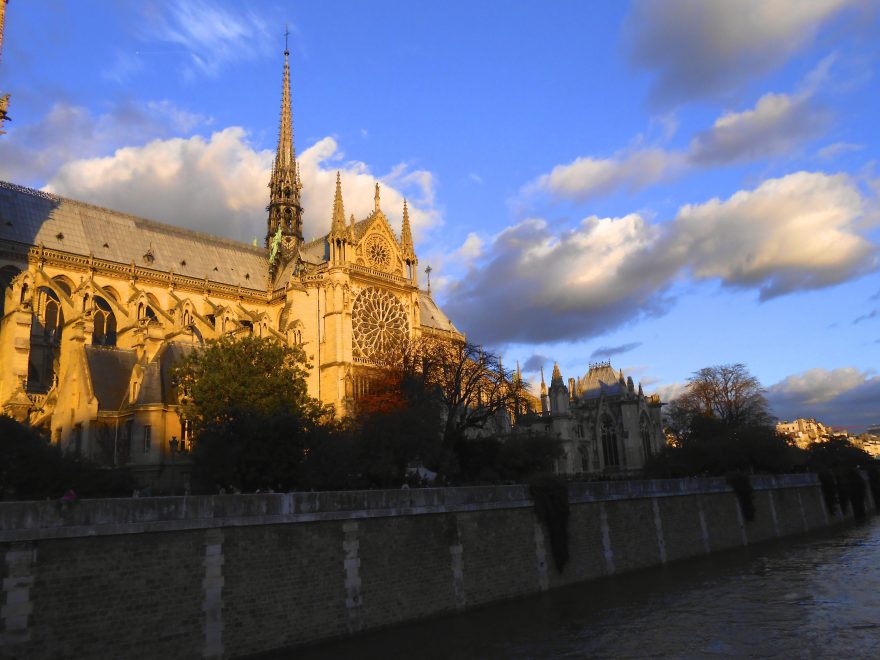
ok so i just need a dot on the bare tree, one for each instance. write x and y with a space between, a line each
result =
468 382
725 393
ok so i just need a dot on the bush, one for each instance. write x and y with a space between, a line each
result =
32 468
742 486
550 494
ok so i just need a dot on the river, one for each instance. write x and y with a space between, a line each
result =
816 596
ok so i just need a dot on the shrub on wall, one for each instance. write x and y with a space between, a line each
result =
829 490
874 482
550 494
742 487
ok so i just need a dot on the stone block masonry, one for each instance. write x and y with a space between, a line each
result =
234 575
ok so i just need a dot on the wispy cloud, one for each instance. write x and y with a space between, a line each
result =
698 49
610 351
213 36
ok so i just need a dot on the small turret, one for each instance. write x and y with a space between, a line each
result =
407 247
338 238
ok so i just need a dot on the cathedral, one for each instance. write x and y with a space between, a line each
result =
604 422
97 306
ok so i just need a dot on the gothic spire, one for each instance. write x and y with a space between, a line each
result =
338 227
285 209
543 384
556 378
406 241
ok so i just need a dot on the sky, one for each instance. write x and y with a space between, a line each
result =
665 184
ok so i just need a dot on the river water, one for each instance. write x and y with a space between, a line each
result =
816 596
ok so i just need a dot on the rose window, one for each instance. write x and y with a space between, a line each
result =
379 323
378 252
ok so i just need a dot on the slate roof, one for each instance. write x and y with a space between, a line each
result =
156 387
110 371
33 217
598 381
431 315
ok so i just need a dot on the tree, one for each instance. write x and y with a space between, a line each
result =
31 467
468 383
252 418
722 423
724 396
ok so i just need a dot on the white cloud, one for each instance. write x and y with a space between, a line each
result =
801 231
218 185
586 177
776 124
30 153
213 36
700 49
533 284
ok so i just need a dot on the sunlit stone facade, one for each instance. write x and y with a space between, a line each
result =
97 305
605 423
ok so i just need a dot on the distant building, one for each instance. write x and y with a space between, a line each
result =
606 423
869 442
805 431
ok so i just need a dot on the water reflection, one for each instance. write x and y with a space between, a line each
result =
817 597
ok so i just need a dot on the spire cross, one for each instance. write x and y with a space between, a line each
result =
286 34
428 273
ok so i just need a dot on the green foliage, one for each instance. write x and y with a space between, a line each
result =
550 494
516 458
837 453
33 468
253 419
742 487
250 377
715 448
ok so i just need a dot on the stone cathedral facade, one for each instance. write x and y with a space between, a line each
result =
97 305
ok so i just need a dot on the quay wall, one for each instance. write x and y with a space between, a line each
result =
233 575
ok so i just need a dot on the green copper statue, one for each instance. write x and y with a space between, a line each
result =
275 246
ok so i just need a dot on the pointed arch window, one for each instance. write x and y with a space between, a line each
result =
104 333
645 434
610 451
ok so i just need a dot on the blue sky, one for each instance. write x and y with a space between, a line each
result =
667 184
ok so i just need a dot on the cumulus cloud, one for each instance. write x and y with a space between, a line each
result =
211 35
801 231
604 352
586 178
533 284
776 124
31 153
697 49
218 184
839 397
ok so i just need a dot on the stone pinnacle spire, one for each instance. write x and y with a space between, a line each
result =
376 199
556 378
543 384
285 209
338 226
406 240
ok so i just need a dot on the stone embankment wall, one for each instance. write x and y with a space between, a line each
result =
231 575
